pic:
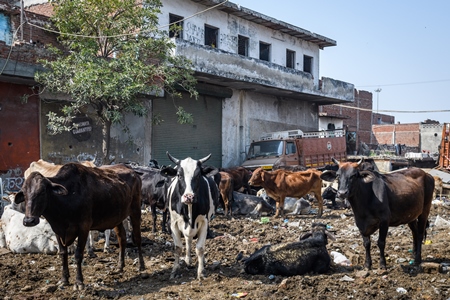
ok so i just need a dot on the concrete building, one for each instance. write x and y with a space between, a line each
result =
255 74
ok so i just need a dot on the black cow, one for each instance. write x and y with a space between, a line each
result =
78 199
330 194
154 192
192 196
382 200
288 259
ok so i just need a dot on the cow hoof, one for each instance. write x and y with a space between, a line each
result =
79 286
92 254
63 283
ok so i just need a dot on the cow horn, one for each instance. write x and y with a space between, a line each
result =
359 162
205 158
335 160
173 159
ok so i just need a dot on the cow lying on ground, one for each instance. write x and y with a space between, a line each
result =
382 200
20 239
293 206
280 184
78 199
245 204
191 196
288 259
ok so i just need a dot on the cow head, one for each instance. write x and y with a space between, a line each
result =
188 173
35 192
257 177
346 175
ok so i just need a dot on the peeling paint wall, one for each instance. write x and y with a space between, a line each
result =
248 115
231 26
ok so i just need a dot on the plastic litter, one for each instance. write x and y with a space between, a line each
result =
401 290
271 277
265 220
347 278
441 222
340 259
428 242
239 295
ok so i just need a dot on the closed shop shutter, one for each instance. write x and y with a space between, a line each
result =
195 140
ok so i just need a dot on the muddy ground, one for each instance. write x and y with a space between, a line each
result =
35 276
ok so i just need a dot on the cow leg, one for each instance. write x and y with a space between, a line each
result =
79 252
367 244
178 247
122 239
418 229
188 259
135 220
63 253
106 248
153 208
164 221
200 251
90 244
319 198
382 243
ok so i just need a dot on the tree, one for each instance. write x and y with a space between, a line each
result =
112 53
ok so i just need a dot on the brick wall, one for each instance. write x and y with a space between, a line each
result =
405 134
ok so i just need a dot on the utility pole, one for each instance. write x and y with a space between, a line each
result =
378 90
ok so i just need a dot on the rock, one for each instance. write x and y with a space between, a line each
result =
430 267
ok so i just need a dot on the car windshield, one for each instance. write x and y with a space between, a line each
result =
265 148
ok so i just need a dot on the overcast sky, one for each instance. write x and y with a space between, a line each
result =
401 47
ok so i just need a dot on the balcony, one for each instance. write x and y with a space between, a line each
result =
215 66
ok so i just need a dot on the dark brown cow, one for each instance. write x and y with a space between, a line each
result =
382 200
240 176
78 199
226 191
280 184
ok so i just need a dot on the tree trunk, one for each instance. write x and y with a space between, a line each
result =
106 142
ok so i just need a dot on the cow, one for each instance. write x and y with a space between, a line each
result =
245 204
240 176
309 255
380 201
154 191
280 184
226 186
49 169
191 205
78 199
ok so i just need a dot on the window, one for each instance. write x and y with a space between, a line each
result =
290 148
176 30
5 29
264 51
307 64
242 45
290 59
211 36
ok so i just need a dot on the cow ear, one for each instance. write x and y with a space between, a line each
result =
209 170
59 189
328 175
367 176
305 236
19 197
168 171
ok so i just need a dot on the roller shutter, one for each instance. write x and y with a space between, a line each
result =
195 140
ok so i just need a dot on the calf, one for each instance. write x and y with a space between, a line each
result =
309 255
280 184
78 199
380 200
191 195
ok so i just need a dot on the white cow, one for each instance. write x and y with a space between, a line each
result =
20 239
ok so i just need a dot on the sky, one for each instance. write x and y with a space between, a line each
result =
401 47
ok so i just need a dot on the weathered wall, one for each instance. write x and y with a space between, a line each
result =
430 137
248 115
405 134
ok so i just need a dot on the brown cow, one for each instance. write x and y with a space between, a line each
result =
240 176
280 184
49 169
226 191
78 199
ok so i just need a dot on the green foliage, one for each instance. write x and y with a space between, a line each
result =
113 54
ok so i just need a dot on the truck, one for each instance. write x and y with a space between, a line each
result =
297 148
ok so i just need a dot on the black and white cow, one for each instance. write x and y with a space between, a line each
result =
192 194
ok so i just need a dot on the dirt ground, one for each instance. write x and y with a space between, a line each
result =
35 276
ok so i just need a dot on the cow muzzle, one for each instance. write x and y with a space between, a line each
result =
30 221
341 194
187 198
